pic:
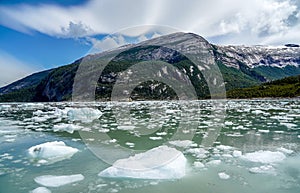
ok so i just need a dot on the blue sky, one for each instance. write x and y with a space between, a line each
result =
36 35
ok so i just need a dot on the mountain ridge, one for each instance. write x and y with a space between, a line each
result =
241 66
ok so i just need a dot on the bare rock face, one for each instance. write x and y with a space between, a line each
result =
241 66
255 56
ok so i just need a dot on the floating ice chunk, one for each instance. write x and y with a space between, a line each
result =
288 125
234 135
284 150
155 138
181 143
198 152
130 144
213 163
223 176
237 153
5 107
32 106
198 164
161 162
70 128
112 141
56 181
51 152
279 132
266 157
227 155
41 190
161 133
258 112
40 119
299 136
228 123
263 170
264 131
126 127
224 147
172 111
83 114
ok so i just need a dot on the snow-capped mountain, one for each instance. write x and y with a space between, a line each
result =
241 66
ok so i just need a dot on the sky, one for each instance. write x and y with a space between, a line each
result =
37 35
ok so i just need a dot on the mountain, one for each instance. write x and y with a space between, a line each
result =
29 81
241 66
286 87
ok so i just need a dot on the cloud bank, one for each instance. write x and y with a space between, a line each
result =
226 21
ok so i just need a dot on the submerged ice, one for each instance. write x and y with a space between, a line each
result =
56 181
161 162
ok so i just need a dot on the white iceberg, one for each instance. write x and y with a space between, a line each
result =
223 176
181 143
198 164
214 163
51 152
56 181
268 169
70 128
155 138
237 153
86 115
161 162
224 147
284 150
40 190
265 157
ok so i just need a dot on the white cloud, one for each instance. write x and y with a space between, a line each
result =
12 69
76 30
251 22
108 43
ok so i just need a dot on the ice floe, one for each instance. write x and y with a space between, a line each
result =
223 176
181 143
236 153
161 162
155 138
214 163
130 144
265 157
126 127
284 150
224 147
70 128
57 181
41 190
83 114
266 169
51 152
198 152
198 164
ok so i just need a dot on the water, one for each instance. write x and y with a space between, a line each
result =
255 142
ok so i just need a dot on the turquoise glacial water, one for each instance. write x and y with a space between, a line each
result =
230 146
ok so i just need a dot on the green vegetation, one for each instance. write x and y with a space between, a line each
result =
22 95
234 78
241 82
275 73
286 87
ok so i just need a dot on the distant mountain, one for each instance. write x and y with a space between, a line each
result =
29 81
241 66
